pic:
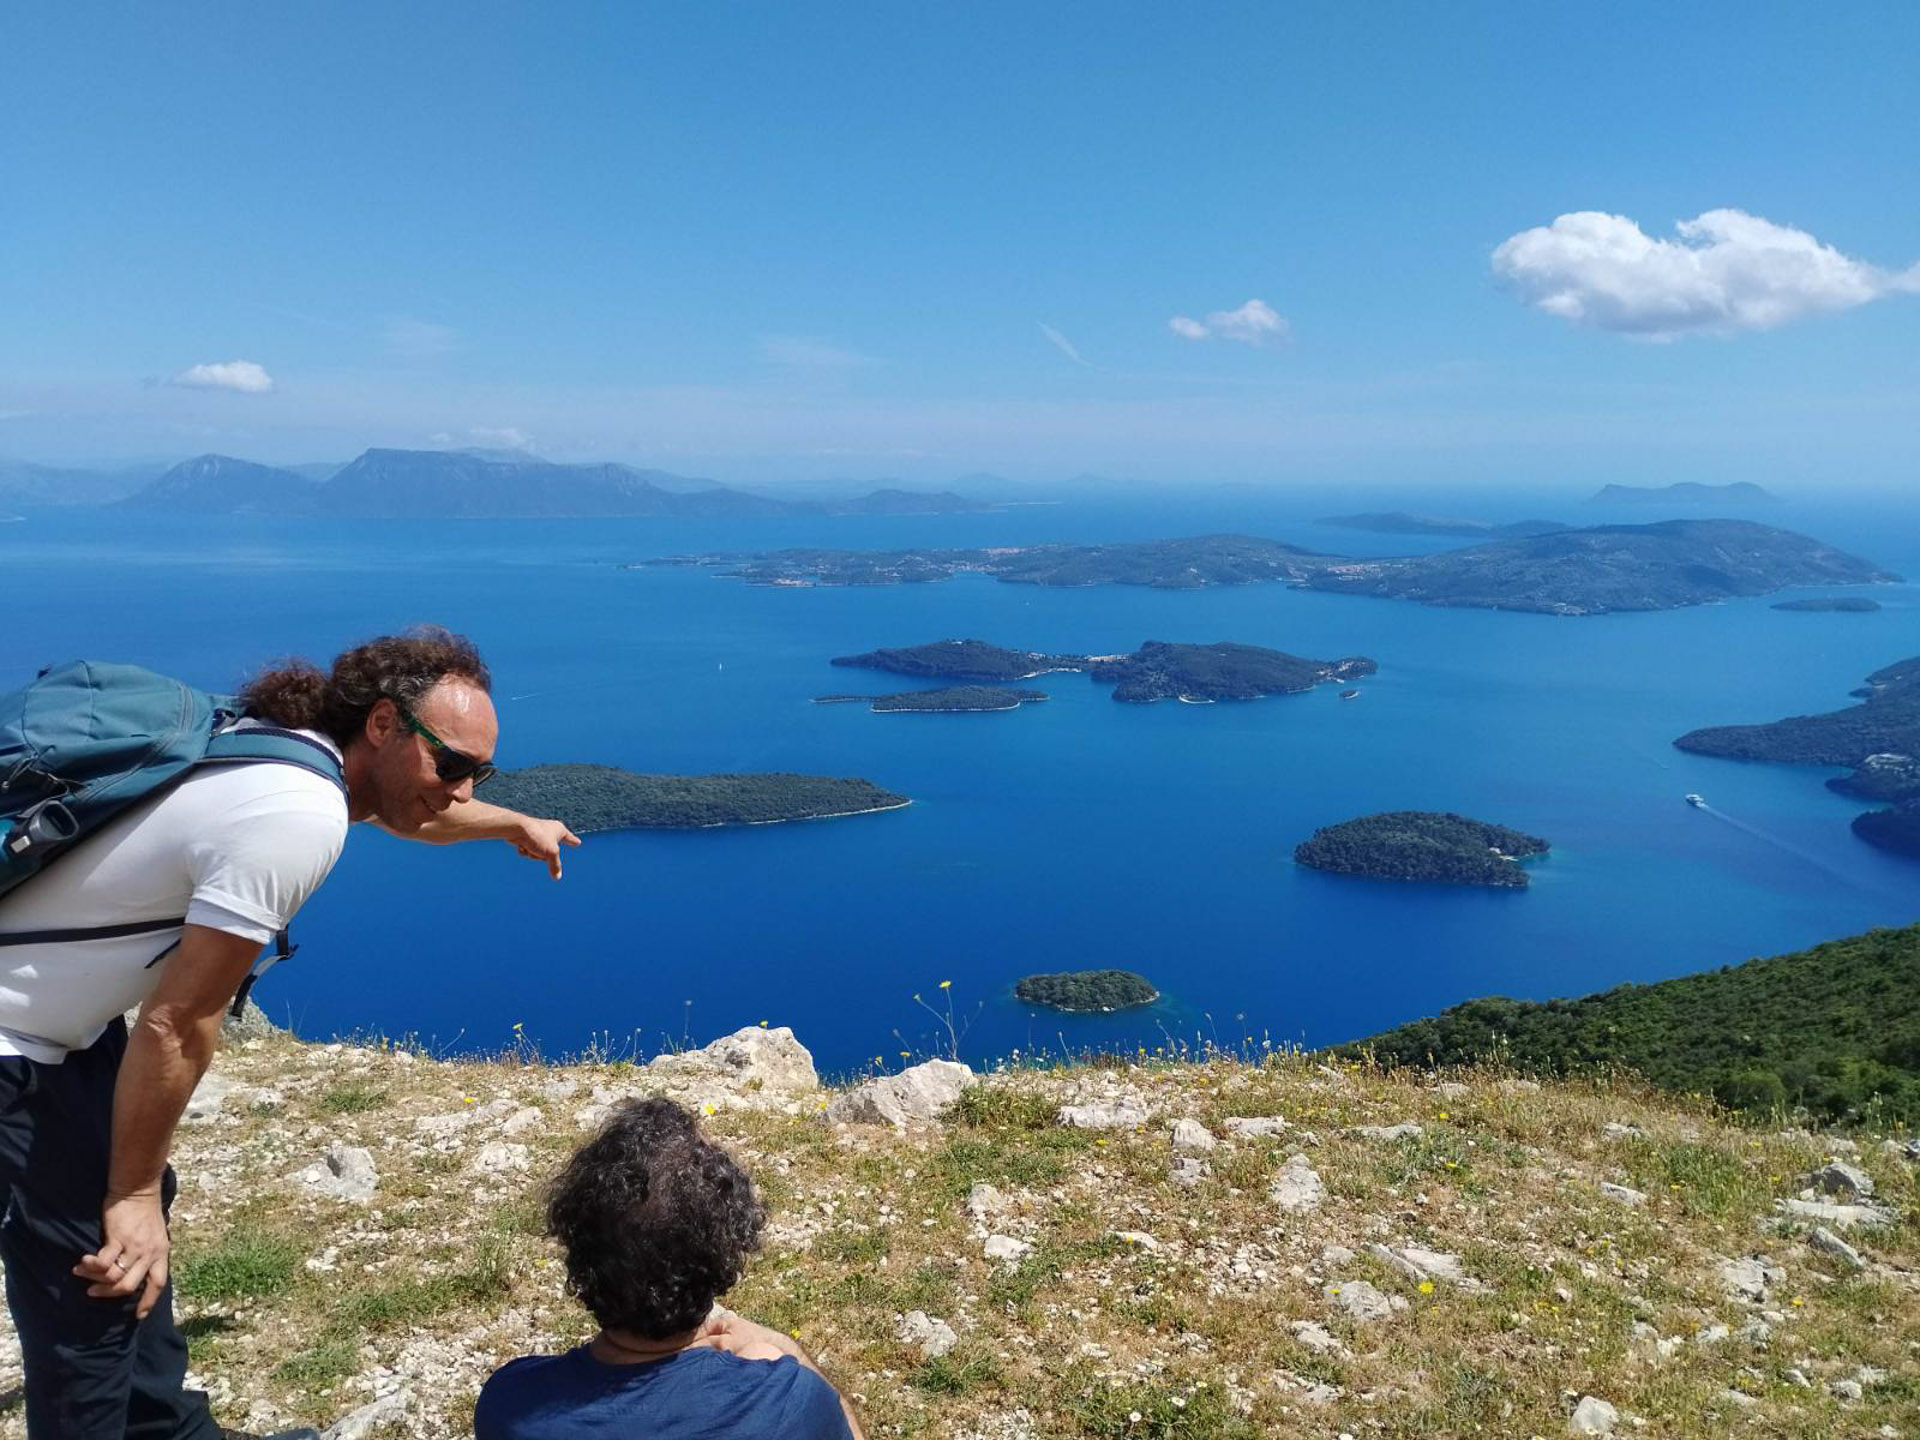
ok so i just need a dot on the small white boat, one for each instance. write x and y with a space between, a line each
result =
1699 802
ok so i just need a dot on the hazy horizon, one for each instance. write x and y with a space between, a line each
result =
1481 244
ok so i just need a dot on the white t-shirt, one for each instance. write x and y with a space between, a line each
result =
237 848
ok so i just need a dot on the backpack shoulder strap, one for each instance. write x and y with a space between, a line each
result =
270 744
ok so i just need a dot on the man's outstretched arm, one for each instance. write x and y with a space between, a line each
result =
476 820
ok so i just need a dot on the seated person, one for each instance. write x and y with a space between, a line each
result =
656 1222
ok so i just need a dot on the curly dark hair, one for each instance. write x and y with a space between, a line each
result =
656 1220
301 696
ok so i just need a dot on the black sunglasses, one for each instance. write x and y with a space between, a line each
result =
451 765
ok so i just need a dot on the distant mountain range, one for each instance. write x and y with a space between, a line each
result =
465 484
1685 492
27 486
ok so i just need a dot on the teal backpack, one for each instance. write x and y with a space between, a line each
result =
86 741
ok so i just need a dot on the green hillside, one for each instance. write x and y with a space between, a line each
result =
1835 1029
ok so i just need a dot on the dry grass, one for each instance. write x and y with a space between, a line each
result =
298 1307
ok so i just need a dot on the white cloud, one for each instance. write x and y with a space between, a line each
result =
1728 271
420 339
799 352
241 375
1065 346
503 437
1254 323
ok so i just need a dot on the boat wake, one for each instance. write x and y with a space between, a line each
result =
1768 838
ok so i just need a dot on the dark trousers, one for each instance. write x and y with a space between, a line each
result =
93 1371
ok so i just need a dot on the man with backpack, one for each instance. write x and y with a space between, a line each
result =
187 830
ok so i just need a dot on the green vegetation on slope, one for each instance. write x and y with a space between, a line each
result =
1422 845
1834 1029
600 797
1087 990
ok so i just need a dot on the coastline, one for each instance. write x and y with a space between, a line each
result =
1153 999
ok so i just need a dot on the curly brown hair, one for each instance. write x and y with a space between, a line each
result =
655 1219
301 696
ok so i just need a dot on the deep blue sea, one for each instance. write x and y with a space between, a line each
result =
1072 834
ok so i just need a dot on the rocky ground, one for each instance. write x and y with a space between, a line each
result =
1226 1248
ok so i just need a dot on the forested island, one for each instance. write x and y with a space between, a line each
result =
1831 604
1221 671
1834 1029
1590 571
1423 845
1877 739
963 660
1087 991
1399 522
601 797
949 699
1608 568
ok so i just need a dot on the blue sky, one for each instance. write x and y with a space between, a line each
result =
807 240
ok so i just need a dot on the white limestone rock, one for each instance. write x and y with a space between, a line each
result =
1405 1130
1650 1347
922 1092
933 1337
501 1157
526 1118
1190 1135
209 1098
756 1057
1005 1248
1187 1171
1316 1338
1417 1263
1363 1302
1841 1216
1625 1194
1257 1127
1125 1113
442 1127
1750 1278
1298 1187
345 1172
984 1200
361 1423
1592 1416
1828 1243
1836 1177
